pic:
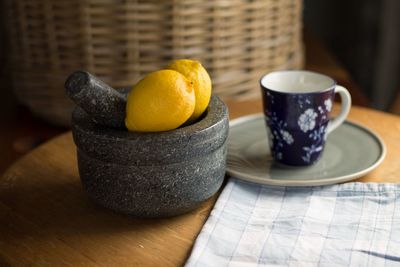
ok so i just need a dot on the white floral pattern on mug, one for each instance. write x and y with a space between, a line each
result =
306 120
309 151
328 104
278 135
287 137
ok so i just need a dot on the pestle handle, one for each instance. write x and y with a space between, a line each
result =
104 104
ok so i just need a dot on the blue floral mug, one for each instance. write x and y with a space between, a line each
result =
297 106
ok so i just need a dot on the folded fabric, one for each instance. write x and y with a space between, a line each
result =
352 224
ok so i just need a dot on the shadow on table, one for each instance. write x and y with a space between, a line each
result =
61 208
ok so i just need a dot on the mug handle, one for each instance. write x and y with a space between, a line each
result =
346 104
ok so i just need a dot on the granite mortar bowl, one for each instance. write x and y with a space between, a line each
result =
152 174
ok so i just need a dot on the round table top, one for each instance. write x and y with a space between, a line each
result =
46 219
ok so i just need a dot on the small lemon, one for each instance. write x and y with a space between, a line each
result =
161 101
196 73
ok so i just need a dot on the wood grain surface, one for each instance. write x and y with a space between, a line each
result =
46 219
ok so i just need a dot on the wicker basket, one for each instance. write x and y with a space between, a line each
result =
122 40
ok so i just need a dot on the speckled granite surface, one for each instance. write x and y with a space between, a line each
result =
152 174
105 105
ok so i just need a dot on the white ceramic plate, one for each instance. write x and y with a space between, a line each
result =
351 151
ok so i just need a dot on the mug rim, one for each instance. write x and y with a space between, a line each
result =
332 86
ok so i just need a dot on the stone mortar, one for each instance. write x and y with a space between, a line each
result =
152 174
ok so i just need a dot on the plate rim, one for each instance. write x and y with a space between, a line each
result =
317 182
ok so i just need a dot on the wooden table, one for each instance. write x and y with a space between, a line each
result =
46 219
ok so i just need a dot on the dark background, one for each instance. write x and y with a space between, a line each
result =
365 37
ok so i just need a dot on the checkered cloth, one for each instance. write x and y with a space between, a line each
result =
352 224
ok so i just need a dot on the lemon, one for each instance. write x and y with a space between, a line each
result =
161 101
196 73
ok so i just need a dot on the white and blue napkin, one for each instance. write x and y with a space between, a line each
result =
352 224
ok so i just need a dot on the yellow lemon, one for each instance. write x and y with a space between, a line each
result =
161 101
196 73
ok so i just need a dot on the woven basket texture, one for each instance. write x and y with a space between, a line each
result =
121 40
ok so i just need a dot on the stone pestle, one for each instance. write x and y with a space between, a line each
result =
105 105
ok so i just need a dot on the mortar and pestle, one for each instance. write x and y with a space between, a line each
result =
144 174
